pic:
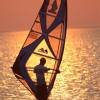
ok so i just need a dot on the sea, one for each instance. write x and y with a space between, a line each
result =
80 68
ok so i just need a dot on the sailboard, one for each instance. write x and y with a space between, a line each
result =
45 39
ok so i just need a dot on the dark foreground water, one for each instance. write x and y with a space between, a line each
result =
80 68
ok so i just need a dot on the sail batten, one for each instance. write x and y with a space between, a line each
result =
45 56
48 14
49 35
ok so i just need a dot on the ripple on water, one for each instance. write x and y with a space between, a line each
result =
80 68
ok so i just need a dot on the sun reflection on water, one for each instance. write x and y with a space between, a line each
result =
79 78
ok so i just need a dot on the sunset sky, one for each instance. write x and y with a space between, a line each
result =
18 15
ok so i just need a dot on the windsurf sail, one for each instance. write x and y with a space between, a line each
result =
46 39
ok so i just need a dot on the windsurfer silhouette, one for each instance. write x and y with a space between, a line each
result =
40 70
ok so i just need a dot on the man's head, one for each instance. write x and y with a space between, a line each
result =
42 61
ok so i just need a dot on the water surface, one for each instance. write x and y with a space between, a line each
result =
80 68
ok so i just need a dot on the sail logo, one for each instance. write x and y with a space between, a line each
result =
43 50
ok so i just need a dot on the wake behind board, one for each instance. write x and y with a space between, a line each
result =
46 39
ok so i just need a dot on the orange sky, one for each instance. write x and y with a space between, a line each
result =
18 15
84 13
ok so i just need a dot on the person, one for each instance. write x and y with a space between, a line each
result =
40 70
